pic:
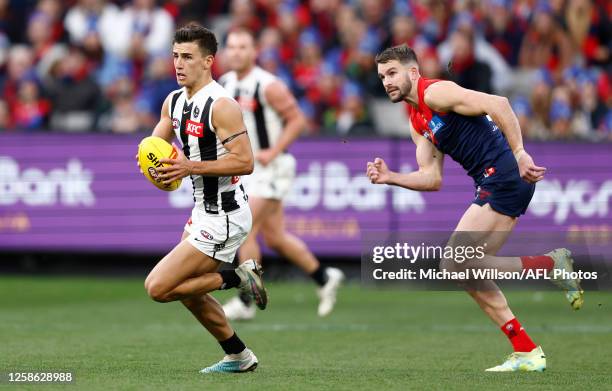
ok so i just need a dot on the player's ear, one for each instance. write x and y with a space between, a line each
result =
413 72
208 60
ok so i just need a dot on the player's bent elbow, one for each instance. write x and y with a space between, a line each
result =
249 166
436 184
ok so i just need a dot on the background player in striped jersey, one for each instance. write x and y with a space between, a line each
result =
215 151
274 121
480 132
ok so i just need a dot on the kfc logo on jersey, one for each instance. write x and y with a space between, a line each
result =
235 179
175 123
193 128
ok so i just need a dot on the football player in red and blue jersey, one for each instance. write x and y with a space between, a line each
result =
481 133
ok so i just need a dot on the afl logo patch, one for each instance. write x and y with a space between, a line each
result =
206 235
175 123
196 111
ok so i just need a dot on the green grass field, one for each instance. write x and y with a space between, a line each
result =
113 337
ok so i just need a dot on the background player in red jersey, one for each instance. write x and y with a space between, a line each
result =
466 124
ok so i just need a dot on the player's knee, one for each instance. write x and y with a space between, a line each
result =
157 291
273 240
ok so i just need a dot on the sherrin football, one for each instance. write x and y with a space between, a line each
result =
150 151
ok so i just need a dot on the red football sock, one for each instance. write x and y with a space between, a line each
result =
538 262
518 337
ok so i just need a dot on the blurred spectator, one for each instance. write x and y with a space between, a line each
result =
290 29
483 52
503 30
75 96
540 104
434 17
545 44
605 129
5 116
270 39
308 66
429 64
19 66
89 21
158 82
589 30
325 98
404 29
561 114
30 111
54 11
40 34
243 14
353 118
270 61
374 14
522 109
591 111
464 68
324 19
140 30
124 117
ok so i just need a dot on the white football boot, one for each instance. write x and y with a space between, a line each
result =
235 309
564 265
534 361
251 282
327 293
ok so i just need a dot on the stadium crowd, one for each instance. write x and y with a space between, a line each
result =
99 65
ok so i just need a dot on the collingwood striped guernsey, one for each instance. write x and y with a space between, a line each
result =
192 124
262 121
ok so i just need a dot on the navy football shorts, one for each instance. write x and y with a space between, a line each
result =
502 187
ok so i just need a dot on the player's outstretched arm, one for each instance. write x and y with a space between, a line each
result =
284 103
448 96
427 178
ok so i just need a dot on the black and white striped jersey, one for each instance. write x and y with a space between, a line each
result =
192 124
262 121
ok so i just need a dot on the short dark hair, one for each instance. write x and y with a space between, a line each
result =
401 53
194 32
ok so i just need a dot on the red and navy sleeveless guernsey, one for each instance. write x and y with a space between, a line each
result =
475 142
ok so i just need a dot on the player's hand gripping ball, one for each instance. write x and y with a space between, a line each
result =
150 151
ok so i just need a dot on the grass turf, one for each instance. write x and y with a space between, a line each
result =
113 337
